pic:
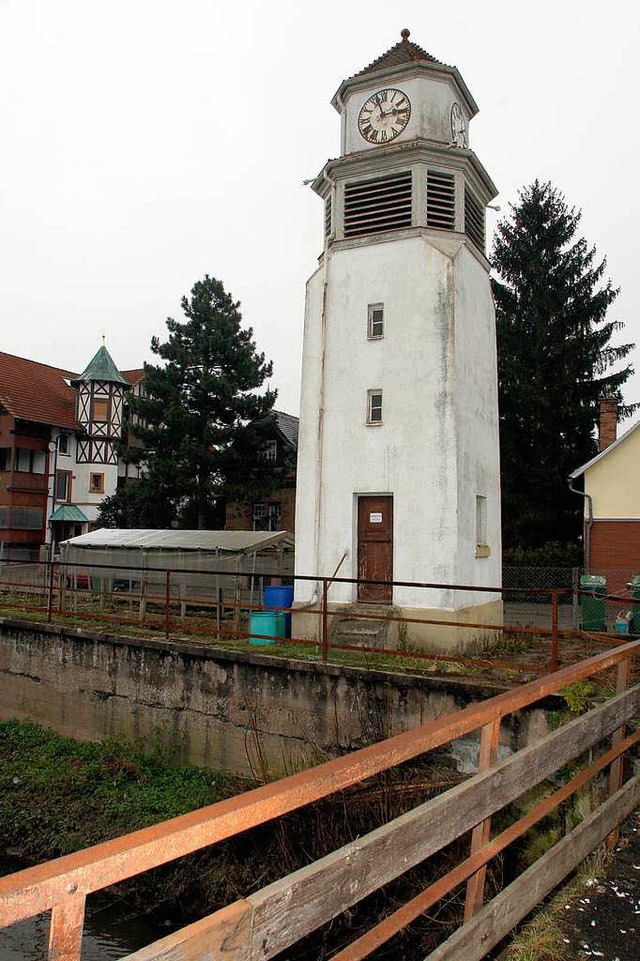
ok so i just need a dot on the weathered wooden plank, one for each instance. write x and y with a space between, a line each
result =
489 746
389 926
39 888
297 904
223 936
494 922
623 681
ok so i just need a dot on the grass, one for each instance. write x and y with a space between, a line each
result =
304 652
59 795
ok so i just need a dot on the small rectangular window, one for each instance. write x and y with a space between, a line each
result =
100 410
481 521
96 483
374 406
23 459
271 451
63 485
266 517
38 461
27 518
375 321
63 444
5 458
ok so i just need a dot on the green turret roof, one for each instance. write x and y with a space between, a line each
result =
101 367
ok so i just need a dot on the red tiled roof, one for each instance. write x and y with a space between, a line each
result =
403 52
36 392
133 377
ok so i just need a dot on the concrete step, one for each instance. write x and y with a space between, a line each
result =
358 631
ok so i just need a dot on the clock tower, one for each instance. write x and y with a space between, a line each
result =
398 461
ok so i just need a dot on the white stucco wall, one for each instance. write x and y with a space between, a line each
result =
433 426
88 501
478 456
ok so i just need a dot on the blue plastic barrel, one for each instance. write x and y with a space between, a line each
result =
266 622
281 596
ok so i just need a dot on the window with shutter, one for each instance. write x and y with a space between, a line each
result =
381 203
327 216
473 218
441 200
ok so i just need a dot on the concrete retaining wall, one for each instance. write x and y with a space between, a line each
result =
241 713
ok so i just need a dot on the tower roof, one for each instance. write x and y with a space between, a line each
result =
405 55
101 367
403 52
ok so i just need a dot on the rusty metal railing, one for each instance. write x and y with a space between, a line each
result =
60 590
262 924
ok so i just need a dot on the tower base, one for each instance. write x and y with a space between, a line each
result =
467 630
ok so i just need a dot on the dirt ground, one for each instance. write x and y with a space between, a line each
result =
605 921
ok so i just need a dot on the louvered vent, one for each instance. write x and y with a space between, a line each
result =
473 218
383 203
327 216
441 200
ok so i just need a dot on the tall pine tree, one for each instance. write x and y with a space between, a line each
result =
202 420
555 361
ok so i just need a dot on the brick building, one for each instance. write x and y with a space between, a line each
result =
612 502
58 458
276 510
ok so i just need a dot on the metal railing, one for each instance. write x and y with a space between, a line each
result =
190 601
264 923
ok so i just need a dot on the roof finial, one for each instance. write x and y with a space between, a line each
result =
405 34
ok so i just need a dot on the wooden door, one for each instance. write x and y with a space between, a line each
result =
375 548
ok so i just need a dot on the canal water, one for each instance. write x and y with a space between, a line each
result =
110 932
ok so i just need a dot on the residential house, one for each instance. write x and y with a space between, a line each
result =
274 511
58 458
612 502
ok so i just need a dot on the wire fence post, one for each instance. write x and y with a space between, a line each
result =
554 631
50 592
167 605
575 604
325 620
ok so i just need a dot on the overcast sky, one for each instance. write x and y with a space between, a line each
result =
148 142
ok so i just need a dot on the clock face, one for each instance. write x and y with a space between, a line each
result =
384 116
458 126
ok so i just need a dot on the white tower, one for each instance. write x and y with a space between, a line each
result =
398 461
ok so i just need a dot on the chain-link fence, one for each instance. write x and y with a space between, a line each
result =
599 601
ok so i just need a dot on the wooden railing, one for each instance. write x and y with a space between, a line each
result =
266 922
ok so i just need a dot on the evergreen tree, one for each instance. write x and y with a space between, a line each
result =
202 420
555 361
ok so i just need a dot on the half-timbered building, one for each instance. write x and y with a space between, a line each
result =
58 459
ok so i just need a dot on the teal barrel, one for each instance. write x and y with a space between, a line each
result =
266 622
